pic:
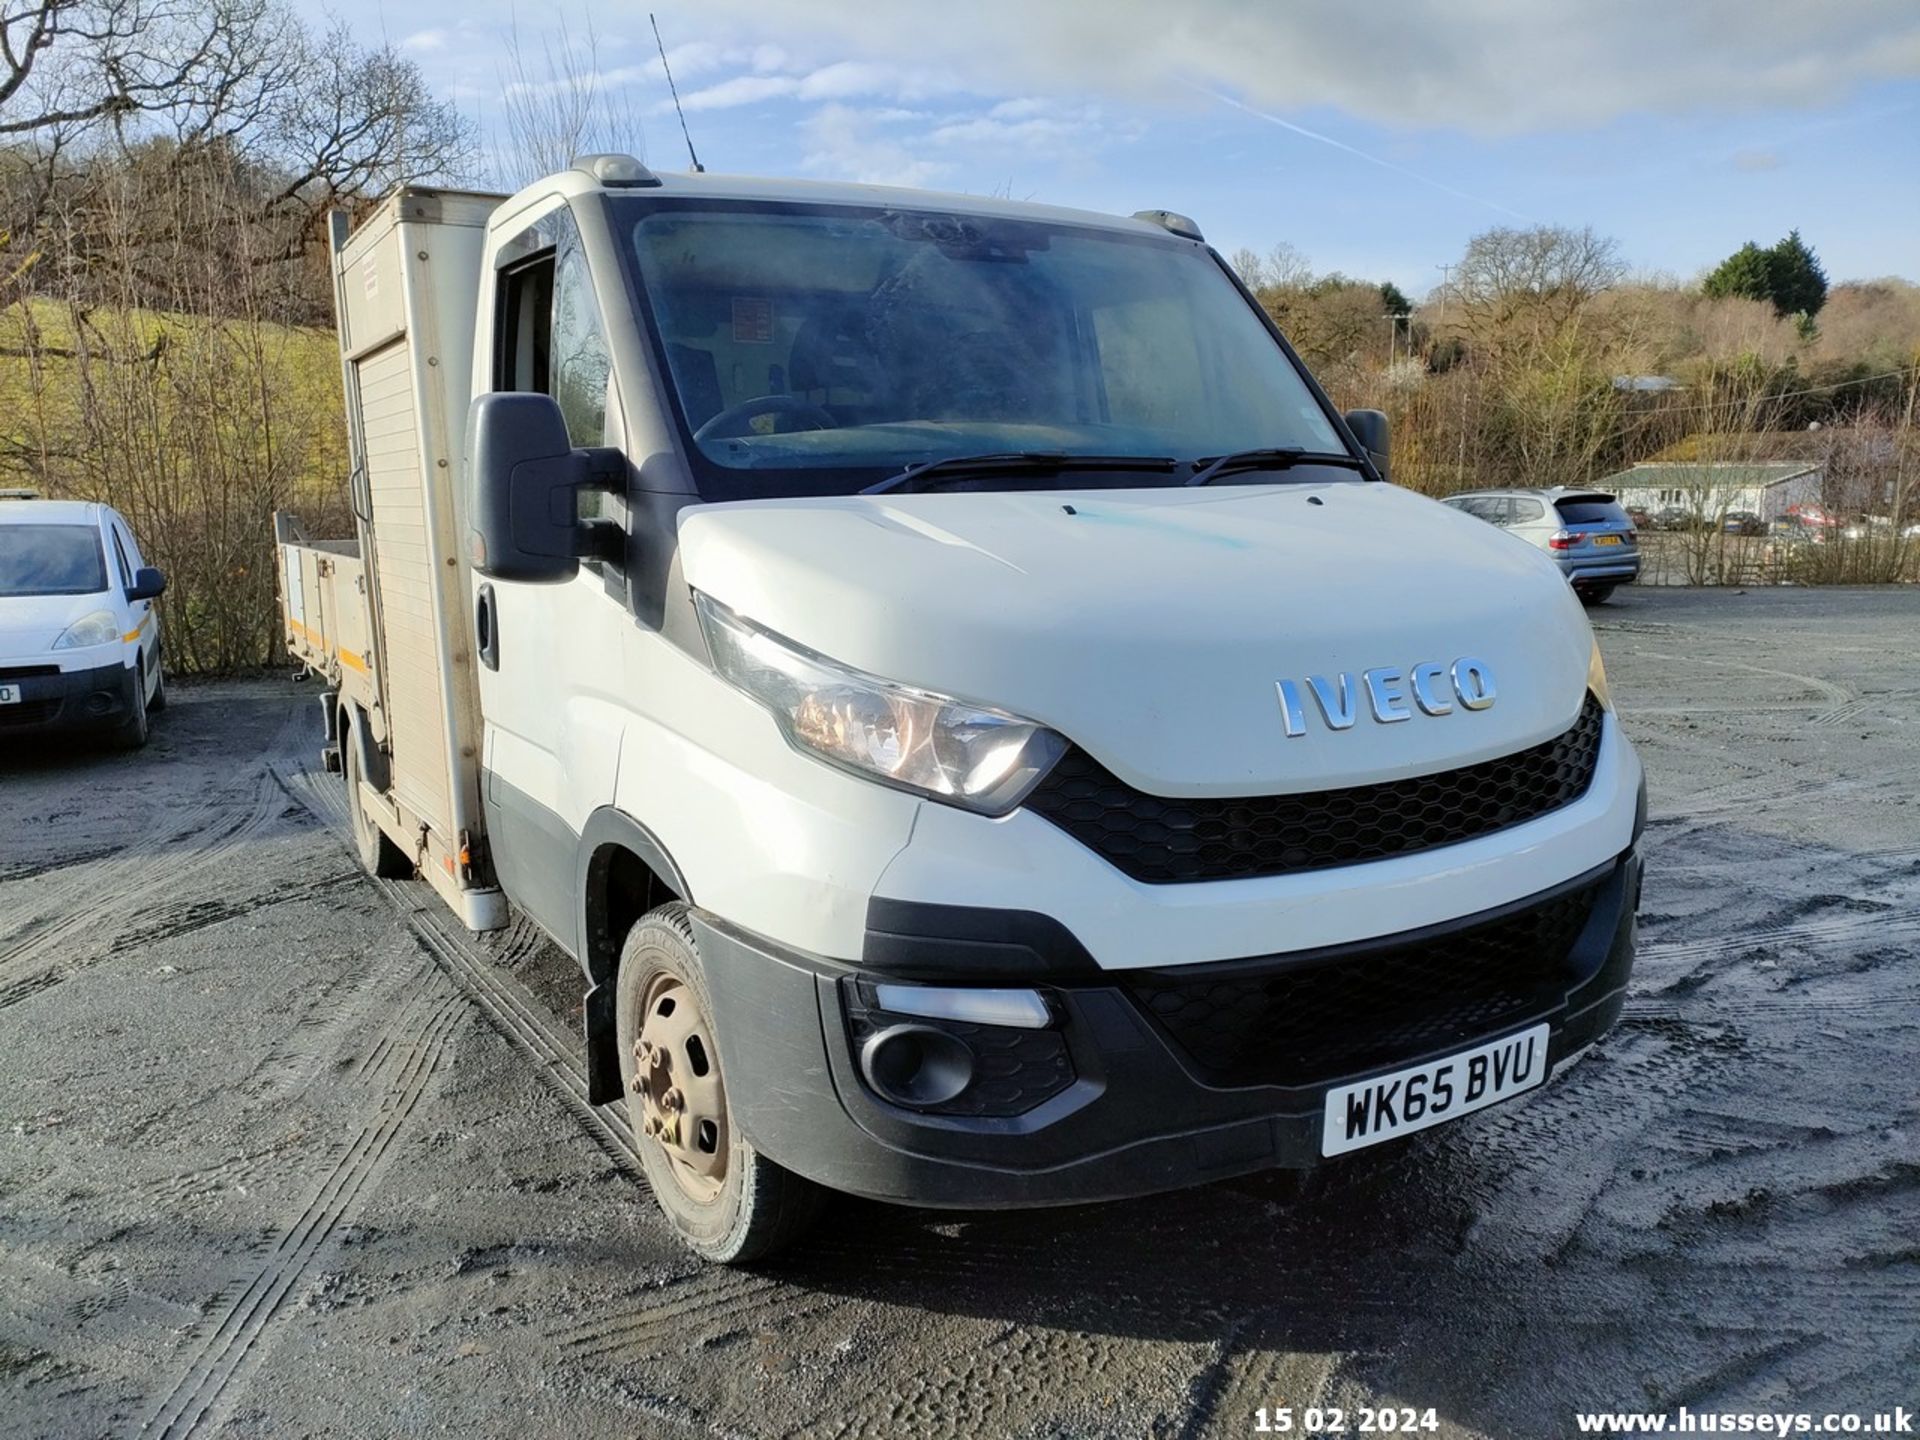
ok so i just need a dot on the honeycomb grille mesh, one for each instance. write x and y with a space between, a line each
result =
1167 841
1298 1025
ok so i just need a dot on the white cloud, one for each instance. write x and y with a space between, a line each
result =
424 40
1491 66
850 144
739 90
842 80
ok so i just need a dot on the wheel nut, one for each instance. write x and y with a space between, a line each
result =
673 1101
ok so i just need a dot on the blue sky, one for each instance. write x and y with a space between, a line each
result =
1374 140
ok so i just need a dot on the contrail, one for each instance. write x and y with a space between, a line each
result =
1361 154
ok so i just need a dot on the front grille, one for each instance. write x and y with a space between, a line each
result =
29 712
1166 841
26 672
1305 1023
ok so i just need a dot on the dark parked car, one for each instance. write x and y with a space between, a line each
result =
1742 522
1673 517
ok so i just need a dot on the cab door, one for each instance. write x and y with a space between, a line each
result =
551 656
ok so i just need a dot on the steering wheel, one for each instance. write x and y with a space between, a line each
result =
732 422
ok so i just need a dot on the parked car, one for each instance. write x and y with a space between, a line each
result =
79 640
1674 517
1791 529
1586 532
1817 516
1641 517
1742 522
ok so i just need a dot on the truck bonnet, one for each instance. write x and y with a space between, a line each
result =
1153 627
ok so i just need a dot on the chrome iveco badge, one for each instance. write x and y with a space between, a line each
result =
1392 694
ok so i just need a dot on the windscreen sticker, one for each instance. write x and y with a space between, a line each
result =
752 320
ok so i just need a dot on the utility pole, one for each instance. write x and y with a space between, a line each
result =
1446 282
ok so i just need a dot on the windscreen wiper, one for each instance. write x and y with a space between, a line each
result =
1277 459
1012 462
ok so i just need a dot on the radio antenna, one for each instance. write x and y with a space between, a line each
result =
698 168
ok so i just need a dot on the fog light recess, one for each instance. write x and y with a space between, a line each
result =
916 1065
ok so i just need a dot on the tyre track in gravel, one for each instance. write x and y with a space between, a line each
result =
1896 922
204 836
68 900
419 1034
507 1005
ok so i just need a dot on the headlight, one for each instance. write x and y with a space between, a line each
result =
968 755
1597 677
95 629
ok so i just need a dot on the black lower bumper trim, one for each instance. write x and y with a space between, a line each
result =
53 700
1137 1118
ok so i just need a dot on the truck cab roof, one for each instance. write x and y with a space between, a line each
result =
582 179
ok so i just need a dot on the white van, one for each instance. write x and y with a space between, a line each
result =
79 639
981 718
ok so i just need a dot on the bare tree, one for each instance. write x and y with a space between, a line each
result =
559 107
1542 275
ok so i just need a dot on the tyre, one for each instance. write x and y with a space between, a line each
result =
727 1202
159 700
1596 595
133 731
377 853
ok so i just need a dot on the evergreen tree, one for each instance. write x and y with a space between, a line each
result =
1799 284
1786 274
1747 274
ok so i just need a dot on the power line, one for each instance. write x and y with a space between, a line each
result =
1907 370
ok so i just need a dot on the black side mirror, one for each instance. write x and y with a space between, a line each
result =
148 584
1369 427
524 483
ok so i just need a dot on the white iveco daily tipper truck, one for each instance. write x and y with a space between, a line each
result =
985 725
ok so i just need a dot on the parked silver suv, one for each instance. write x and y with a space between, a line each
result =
1586 531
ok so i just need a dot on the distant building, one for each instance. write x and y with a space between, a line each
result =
1647 384
1710 488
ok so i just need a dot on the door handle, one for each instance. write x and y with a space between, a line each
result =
486 627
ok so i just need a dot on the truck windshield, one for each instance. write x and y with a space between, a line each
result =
814 350
51 560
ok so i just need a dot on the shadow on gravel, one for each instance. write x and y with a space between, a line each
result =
1334 1261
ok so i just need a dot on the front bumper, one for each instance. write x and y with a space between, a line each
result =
67 701
1121 1104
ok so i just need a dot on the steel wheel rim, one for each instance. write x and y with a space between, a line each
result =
681 1099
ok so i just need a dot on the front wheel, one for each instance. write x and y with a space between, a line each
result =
133 731
727 1202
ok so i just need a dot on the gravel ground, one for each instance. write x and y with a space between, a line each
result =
285 1152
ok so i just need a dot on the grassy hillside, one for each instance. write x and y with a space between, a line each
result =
198 431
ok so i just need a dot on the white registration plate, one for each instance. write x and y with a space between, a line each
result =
9 694
1369 1111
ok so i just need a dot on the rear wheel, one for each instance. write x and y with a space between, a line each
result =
727 1202
377 853
1596 594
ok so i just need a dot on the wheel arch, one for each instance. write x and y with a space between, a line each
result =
355 731
624 872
